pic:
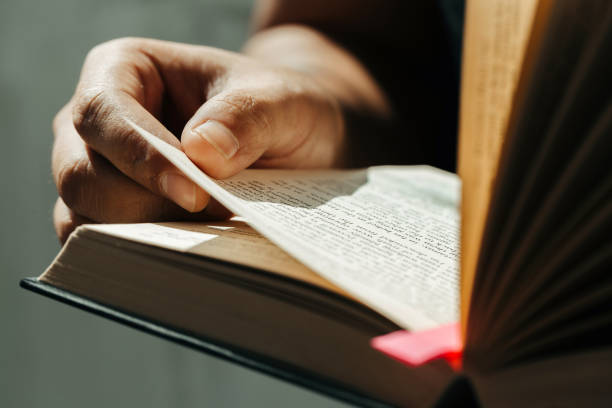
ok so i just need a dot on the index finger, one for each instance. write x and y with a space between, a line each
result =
120 82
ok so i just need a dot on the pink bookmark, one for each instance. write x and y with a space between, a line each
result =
416 348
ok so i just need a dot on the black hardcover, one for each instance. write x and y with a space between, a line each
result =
226 352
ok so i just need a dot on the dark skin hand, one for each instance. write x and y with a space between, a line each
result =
289 100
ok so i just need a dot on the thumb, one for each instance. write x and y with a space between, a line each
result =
231 131
238 127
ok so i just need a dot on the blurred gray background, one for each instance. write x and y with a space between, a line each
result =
52 355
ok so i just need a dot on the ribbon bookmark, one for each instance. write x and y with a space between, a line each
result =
416 348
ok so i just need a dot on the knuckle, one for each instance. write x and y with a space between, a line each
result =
138 153
250 111
71 181
141 160
77 187
89 109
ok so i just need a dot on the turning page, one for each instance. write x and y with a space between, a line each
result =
387 235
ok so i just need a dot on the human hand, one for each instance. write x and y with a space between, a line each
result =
231 112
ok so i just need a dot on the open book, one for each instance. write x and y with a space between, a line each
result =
319 262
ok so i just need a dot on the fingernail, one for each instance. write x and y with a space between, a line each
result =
219 137
179 189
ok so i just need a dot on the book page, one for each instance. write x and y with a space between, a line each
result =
387 235
495 39
232 241
544 221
